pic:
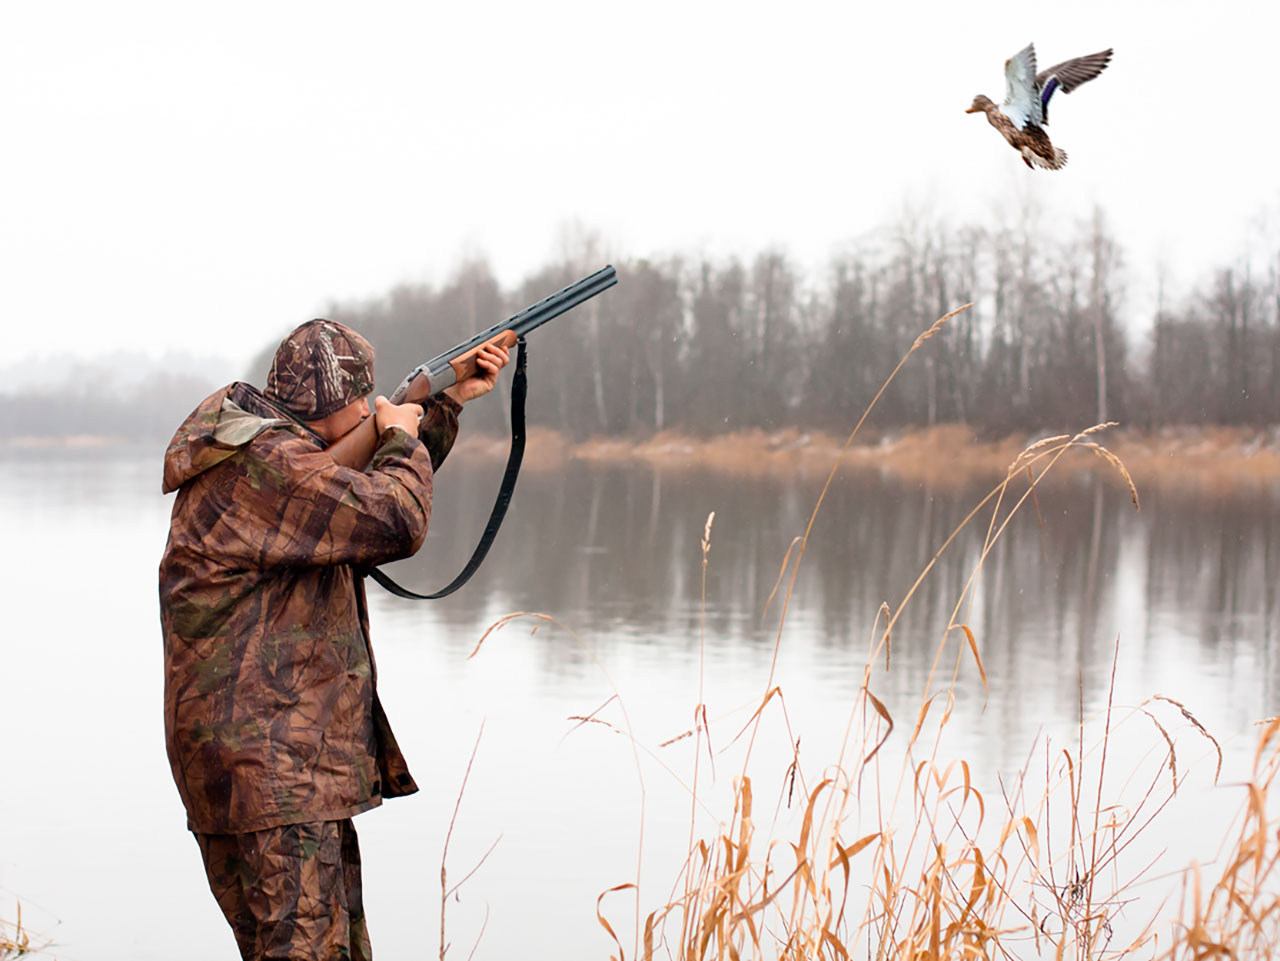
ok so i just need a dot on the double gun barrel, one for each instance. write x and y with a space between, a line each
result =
459 362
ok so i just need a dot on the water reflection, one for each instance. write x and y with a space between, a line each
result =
616 552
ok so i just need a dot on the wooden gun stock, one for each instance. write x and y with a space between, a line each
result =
464 365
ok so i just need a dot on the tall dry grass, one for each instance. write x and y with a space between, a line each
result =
18 942
896 852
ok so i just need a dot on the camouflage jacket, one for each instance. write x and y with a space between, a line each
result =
271 712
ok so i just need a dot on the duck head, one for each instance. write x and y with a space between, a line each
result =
981 104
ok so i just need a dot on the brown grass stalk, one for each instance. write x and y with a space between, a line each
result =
944 873
16 941
445 890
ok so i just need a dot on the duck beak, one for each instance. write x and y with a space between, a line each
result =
971 110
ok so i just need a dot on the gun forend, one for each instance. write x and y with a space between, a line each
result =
445 371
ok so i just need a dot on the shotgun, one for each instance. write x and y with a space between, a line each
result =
355 449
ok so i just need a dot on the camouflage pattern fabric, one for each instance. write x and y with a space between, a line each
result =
271 709
291 892
320 368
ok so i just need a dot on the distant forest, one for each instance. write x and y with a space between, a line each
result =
709 347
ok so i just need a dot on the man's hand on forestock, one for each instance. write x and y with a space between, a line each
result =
388 414
489 363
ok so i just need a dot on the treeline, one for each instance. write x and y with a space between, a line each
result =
685 342
147 411
709 346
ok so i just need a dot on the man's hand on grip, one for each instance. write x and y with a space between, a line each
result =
387 414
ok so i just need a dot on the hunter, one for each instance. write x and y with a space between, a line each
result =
275 733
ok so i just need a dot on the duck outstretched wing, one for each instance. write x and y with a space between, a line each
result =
1068 75
1022 102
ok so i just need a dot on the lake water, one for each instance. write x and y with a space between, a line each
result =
1182 596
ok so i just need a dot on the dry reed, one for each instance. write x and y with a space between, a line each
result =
1044 868
18 942
445 890
1239 915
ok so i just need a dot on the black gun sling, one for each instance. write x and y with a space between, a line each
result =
519 387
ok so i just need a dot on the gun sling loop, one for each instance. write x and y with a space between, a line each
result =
519 387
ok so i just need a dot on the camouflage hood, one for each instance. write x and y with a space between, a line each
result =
218 428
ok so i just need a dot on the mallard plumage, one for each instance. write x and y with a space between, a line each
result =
1025 111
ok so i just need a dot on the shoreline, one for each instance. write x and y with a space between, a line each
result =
948 455
1194 458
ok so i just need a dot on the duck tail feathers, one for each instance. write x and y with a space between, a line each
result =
1058 161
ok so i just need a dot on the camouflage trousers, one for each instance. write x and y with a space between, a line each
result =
291 892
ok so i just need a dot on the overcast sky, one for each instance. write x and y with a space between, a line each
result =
204 176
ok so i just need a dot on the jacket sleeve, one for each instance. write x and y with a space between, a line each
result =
439 427
302 509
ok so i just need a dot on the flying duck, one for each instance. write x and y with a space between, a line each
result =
1025 111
